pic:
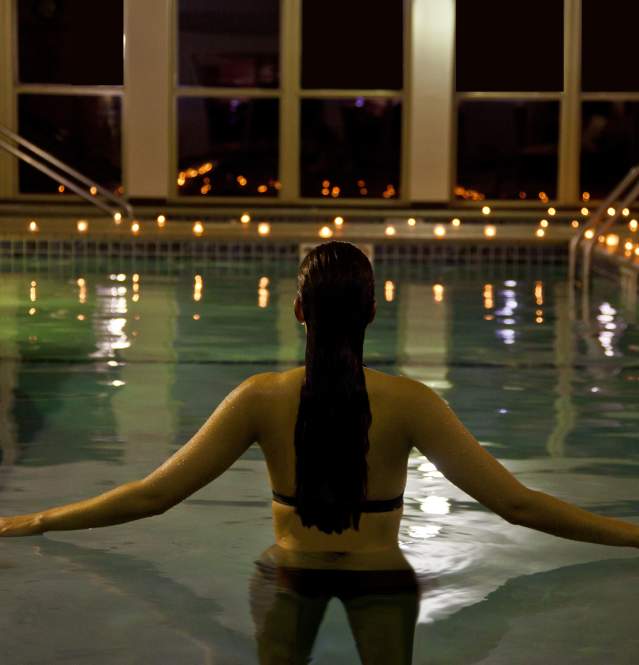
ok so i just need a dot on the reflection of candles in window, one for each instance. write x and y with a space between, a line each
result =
245 218
411 221
32 311
82 225
325 232
439 231
490 230
438 292
263 292
82 293
539 292
389 290
263 228
33 296
197 288
489 301
33 226
161 220
117 217
198 228
633 224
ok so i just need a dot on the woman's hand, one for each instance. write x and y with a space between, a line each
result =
20 525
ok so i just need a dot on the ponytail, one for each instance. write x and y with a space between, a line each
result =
334 416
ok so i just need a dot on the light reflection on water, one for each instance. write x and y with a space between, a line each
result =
86 404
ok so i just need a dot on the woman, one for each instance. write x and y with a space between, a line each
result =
336 436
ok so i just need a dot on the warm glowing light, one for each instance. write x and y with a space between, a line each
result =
80 317
637 250
61 189
539 319
197 288
539 292
81 282
335 191
585 196
625 212
540 233
585 212
325 232
263 283
612 240
389 290
338 221
245 218
411 221
135 228
574 224
456 221
552 212
196 317
490 230
33 226
628 245
438 292
198 228
117 217
135 277
633 224
611 211
161 220
262 188
439 231
326 183
263 228
241 180
543 223
33 296
32 311
589 234
489 302
390 230
94 191
325 191
485 210
601 239
82 225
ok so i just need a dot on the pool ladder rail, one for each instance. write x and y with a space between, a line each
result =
622 197
82 186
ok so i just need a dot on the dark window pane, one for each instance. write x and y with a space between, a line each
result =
355 44
351 148
82 131
225 43
609 50
509 46
70 41
609 144
228 147
507 150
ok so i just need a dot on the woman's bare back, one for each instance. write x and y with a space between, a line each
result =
387 465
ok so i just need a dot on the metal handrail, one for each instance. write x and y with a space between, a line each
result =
629 188
47 157
632 174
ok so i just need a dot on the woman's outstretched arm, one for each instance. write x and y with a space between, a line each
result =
434 429
223 438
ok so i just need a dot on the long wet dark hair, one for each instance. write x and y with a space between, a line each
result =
337 292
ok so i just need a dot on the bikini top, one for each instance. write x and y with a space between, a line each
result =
372 506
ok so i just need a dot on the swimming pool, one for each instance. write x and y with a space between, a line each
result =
106 371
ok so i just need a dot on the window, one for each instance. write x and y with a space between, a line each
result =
83 131
609 144
350 148
229 44
228 147
509 46
609 46
355 44
507 150
70 41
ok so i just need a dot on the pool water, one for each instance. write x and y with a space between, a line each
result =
105 372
